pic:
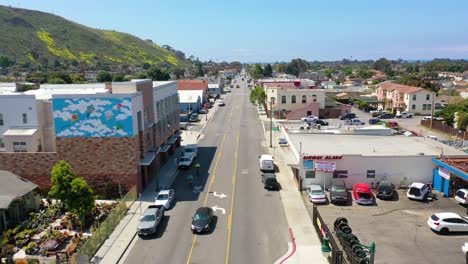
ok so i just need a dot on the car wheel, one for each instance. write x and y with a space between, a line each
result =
444 231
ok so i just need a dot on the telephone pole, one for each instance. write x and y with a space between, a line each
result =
271 123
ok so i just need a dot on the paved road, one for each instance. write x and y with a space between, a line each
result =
253 228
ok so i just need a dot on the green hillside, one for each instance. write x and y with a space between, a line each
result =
41 38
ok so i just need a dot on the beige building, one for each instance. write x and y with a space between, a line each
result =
405 98
291 98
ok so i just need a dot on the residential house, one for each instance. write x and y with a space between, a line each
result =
398 97
17 199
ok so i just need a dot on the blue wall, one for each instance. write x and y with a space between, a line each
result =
441 184
93 117
184 106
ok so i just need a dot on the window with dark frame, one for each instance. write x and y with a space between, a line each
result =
340 174
370 174
310 174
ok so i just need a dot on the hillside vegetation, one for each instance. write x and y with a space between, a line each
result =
39 38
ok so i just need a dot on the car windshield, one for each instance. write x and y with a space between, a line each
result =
162 197
200 217
385 188
460 194
364 195
337 188
316 192
184 159
148 218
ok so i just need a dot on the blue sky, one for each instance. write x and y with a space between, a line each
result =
268 31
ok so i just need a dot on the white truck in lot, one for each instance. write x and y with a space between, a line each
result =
405 115
190 150
266 163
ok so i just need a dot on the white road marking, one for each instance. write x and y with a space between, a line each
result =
197 189
221 196
245 171
223 211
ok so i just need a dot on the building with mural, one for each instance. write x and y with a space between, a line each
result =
120 133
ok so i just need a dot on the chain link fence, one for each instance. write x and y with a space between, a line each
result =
92 244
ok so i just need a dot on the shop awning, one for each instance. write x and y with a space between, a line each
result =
172 140
165 148
178 133
149 157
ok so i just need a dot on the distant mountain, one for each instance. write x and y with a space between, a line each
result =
45 39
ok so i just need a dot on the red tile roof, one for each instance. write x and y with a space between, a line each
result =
388 86
192 85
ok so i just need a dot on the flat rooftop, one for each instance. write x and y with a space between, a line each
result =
370 145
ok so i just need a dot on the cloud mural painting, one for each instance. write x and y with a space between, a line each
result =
93 117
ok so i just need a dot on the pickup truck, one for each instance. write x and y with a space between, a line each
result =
185 162
150 220
190 150
309 119
405 115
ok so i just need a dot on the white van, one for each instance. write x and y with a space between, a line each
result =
190 150
462 196
266 163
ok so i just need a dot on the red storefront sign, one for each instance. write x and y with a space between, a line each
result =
323 157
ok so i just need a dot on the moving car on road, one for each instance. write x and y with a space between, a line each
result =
283 142
362 194
386 116
201 221
321 122
384 190
338 192
150 220
221 103
165 198
316 194
448 222
266 163
355 122
309 119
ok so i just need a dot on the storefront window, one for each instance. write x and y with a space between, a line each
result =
310 174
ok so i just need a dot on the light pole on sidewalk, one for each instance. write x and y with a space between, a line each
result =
271 123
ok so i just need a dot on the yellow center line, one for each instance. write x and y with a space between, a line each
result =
207 193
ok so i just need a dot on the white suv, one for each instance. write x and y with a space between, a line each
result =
418 191
405 115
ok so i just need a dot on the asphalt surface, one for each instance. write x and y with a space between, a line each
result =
250 225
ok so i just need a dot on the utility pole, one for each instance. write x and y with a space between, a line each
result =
271 123
432 110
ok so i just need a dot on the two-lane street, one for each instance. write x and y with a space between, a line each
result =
249 224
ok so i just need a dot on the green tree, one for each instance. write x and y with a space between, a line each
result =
157 75
78 78
383 65
257 71
59 75
297 66
56 80
118 77
268 70
178 72
6 62
73 191
103 76
140 76
348 70
257 96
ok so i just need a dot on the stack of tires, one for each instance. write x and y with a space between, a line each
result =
356 253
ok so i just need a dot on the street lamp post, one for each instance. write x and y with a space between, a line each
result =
271 123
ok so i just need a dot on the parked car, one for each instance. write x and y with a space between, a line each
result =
185 162
316 194
202 220
348 116
338 192
418 191
384 190
203 111
376 114
380 111
193 117
373 121
448 222
439 106
190 150
405 115
309 119
165 198
266 163
362 194
269 181
433 118
321 122
465 249
237 86
150 220
283 142
386 116
462 196
355 122
221 103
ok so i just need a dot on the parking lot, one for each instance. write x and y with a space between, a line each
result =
399 229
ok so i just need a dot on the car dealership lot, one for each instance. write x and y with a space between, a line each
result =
399 229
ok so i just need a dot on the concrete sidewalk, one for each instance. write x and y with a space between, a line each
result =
119 240
308 244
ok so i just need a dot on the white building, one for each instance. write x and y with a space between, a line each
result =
355 157
214 89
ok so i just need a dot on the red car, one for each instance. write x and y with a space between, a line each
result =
362 193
